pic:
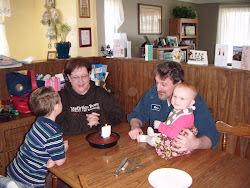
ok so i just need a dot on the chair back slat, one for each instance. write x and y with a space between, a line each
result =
234 139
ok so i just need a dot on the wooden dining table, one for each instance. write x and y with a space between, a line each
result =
208 168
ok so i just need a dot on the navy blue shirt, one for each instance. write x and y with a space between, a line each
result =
151 108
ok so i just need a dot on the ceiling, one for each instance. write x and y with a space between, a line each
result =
214 1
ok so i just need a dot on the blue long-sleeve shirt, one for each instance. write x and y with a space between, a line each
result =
151 108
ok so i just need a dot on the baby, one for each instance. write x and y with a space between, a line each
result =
179 118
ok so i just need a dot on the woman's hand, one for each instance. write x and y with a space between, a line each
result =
93 119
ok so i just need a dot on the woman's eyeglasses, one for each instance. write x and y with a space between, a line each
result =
78 78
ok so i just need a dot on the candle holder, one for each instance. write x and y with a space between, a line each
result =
97 141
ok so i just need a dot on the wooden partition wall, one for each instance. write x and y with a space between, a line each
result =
226 91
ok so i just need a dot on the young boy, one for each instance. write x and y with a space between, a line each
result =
43 146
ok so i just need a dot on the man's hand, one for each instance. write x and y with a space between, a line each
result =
134 134
186 143
135 129
157 124
50 163
93 119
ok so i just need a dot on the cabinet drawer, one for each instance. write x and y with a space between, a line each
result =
14 137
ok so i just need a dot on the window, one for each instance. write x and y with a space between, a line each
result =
114 18
4 11
234 26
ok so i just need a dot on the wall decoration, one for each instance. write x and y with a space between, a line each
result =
85 37
149 19
49 4
172 41
198 57
51 55
221 55
84 8
245 60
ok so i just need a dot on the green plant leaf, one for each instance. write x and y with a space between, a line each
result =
184 12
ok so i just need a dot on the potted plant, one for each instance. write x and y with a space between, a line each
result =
184 12
62 47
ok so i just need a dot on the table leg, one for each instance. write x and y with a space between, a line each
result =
54 181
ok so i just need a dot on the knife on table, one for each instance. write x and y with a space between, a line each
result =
120 166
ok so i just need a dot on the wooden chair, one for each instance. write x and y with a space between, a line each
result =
234 140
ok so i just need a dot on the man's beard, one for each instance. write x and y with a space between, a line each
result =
163 97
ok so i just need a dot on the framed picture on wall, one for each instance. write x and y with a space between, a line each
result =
85 37
149 19
84 8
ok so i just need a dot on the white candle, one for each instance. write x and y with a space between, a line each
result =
106 131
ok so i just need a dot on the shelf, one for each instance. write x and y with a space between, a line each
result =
164 49
189 37
177 26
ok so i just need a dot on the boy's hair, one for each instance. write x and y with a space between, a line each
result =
169 69
75 63
190 86
43 100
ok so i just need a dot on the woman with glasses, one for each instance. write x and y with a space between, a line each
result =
84 104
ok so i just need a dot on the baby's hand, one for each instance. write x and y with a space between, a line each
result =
50 163
66 145
157 124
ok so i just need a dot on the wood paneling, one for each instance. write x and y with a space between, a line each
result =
226 92
12 134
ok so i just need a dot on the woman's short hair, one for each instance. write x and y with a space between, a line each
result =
43 100
169 69
75 63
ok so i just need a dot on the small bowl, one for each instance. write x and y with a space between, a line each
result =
95 140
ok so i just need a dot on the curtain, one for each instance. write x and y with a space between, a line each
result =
4 11
5 8
234 26
114 18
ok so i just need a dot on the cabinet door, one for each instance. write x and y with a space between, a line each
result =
14 137
12 155
3 164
